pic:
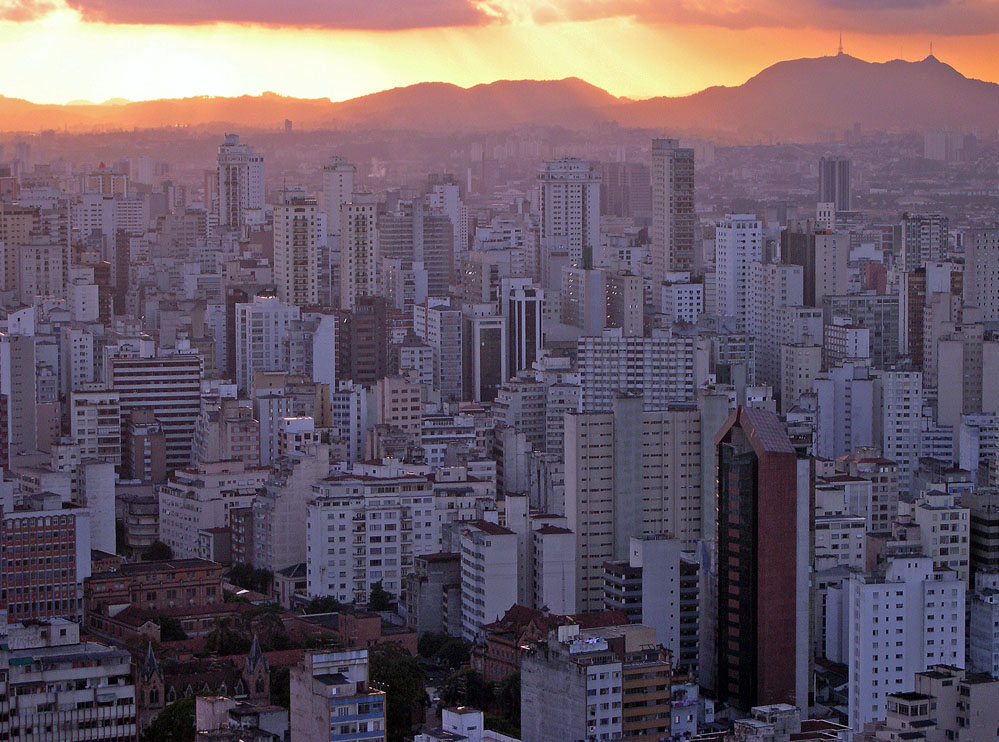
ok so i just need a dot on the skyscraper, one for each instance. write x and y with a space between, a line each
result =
358 250
569 196
834 182
673 219
738 242
240 181
296 250
762 636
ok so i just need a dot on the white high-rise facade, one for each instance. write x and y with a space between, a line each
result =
771 287
240 182
297 251
338 187
673 218
261 328
358 250
738 243
569 197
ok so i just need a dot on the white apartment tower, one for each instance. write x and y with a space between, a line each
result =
261 328
240 181
297 243
673 218
358 250
738 243
569 197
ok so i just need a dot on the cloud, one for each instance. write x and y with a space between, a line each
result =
331 14
939 17
25 10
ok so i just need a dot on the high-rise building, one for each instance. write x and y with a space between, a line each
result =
338 189
761 562
416 234
95 423
523 307
363 341
834 182
18 408
297 250
569 199
358 250
629 473
240 182
261 328
168 385
925 239
673 217
823 256
485 347
738 243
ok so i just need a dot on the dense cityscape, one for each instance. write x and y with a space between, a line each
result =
581 432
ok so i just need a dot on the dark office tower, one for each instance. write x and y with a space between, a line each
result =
673 218
362 340
626 190
758 586
834 182
484 345
523 310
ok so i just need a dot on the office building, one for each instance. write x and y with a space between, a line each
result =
358 250
834 182
673 217
925 239
762 554
338 189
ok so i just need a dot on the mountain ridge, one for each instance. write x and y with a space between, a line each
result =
797 99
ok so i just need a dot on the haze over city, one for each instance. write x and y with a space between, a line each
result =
499 371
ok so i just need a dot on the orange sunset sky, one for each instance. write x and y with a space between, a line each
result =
60 50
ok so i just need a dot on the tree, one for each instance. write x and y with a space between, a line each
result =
175 723
224 639
266 622
508 701
325 604
393 670
379 599
429 644
454 653
249 578
171 629
156 552
281 686
467 687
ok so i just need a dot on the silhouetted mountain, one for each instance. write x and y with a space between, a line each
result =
793 100
799 98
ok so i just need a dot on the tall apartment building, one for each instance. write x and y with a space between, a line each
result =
848 398
240 182
834 182
489 575
738 243
925 238
200 498
823 255
358 250
440 325
673 218
362 529
877 312
262 326
607 683
331 699
170 386
413 233
660 369
95 423
363 341
762 563
338 189
772 287
297 242
901 410
969 357
629 473
893 624
658 586
18 396
569 200
93 682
